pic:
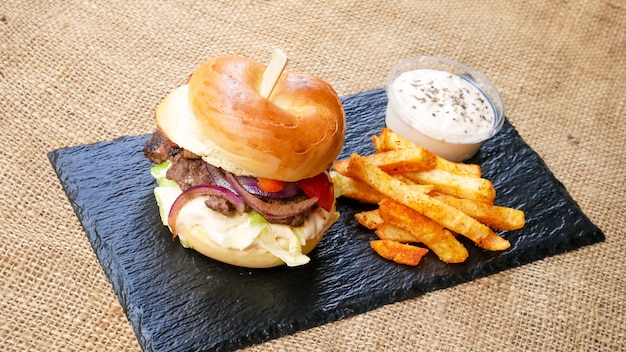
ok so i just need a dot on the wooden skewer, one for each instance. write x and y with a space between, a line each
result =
272 72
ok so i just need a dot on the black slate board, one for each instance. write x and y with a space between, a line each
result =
178 300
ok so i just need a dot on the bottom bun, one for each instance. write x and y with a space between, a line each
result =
196 238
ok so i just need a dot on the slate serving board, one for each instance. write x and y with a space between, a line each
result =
178 300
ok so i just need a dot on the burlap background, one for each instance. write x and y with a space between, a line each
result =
75 72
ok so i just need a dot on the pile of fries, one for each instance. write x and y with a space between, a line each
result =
423 199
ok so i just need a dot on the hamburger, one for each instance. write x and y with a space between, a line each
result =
241 178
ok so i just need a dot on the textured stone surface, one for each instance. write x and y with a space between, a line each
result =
178 299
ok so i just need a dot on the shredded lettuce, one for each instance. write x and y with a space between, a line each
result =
240 235
291 257
166 191
337 179
159 170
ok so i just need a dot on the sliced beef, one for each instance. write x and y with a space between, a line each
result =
158 148
188 172
295 220
220 205
192 172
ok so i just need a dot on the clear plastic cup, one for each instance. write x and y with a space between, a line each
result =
451 146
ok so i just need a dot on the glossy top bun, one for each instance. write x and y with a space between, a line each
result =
220 115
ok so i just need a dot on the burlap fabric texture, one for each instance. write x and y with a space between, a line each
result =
77 72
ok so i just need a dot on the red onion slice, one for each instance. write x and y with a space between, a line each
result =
218 177
270 210
200 191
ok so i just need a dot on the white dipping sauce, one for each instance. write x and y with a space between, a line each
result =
444 101
443 112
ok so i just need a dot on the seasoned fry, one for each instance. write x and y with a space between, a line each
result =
390 140
458 168
355 189
378 144
387 231
395 161
497 217
447 216
361 191
370 219
408 181
461 186
493 242
399 252
439 239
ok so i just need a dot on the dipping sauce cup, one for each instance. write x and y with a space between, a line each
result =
442 105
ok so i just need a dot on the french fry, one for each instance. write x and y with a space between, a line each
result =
447 216
377 144
458 168
355 189
497 217
461 186
390 140
399 252
493 242
370 219
361 191
408 181
391 232
395 161
439 239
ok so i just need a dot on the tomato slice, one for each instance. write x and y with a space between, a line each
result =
270 186
320 186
